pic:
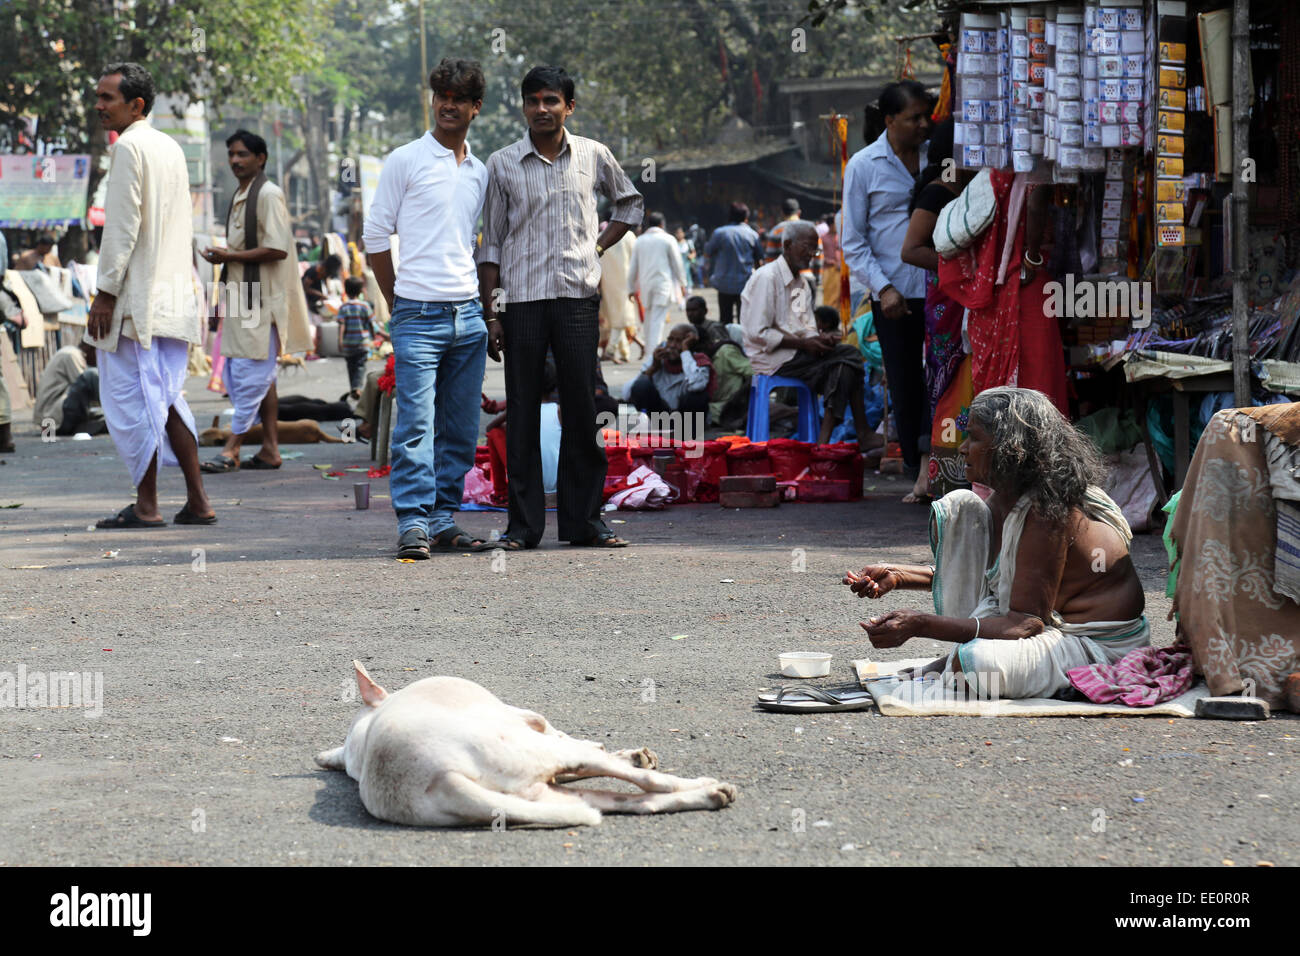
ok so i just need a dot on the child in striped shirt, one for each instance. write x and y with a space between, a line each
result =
356 329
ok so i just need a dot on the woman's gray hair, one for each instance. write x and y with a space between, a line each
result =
1036 451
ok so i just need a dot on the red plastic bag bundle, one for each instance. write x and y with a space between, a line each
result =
839 462
496 444
704 472
619 461
789 457
750 458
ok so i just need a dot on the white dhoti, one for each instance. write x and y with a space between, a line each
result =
964 586
247 382
656 316
137 388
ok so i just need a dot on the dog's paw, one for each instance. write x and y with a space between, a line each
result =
721 794
331 759
643 759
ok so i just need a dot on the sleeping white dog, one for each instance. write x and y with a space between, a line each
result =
445 752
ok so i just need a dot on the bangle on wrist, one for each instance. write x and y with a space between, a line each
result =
600 250
977 629
1030 261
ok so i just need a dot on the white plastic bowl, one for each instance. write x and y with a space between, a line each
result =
805 664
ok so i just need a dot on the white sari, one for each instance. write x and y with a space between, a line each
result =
1033 666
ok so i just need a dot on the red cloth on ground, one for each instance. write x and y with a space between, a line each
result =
1143 677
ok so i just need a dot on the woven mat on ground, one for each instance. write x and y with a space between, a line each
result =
902 698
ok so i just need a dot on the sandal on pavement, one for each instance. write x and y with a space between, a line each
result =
258 464
219 465
186 516
413 544
606 540
456 538
798 700
126 518
508 544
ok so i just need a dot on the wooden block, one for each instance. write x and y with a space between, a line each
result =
1232 708
750 483
749 499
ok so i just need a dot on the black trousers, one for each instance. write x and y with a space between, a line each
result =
81 394
902 347
727 306
569 329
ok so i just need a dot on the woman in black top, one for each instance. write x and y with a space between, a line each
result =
939 184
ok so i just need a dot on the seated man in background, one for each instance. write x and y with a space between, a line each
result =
673 378
732 373
69 386
781 337
1034 582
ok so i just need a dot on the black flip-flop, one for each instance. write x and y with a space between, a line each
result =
126 518
186 516
606 540
219 465
258 464
810 699
447 541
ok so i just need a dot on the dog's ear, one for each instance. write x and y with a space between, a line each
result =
372 695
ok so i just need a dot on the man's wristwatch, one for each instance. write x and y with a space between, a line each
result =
600 250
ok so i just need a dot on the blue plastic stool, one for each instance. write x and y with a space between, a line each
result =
760 392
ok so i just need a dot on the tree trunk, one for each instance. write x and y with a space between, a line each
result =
312 121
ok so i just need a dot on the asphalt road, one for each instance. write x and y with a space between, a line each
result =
225 658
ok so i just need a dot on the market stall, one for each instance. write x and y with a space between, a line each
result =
1171 158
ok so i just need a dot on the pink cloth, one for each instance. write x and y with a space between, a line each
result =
647 492
1143 677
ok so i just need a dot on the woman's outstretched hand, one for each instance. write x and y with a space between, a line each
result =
894 629
873 581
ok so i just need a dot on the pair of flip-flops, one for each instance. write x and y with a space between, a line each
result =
127 518
222 464
810 699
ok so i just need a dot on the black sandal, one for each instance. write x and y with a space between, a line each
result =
186 516
258 464
606 540
219 465
126 518
413 544
449 540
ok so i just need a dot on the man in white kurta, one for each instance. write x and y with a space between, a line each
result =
656 274
145 314
265 313
618 313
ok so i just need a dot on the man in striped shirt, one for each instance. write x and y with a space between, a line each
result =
538 275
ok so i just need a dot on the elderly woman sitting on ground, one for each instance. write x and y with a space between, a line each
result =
1034 582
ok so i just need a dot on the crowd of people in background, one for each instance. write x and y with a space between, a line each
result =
898 326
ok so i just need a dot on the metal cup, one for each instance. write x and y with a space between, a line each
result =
361 490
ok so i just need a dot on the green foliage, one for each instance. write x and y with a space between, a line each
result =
53 51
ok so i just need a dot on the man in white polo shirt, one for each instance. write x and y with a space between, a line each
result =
430 193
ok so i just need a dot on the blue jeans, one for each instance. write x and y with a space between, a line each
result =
441 351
